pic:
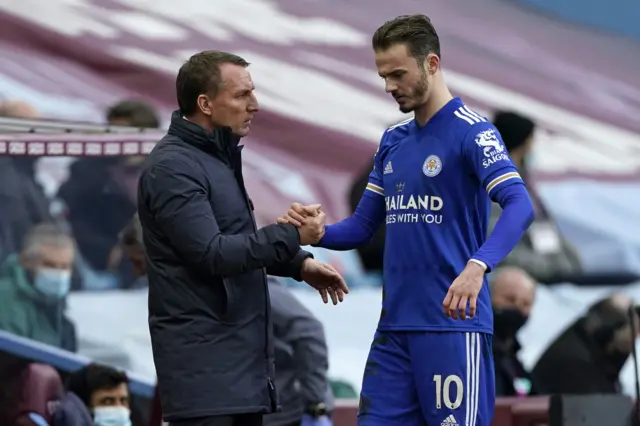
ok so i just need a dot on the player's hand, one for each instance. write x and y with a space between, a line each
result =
463 291
297 214
325 279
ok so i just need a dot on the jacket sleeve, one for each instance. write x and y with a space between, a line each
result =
292 269
176 196
305 334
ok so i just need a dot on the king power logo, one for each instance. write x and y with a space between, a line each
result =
492 148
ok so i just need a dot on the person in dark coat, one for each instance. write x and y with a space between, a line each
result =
209 308
587 357
512 295
302 361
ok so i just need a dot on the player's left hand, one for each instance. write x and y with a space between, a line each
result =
325 279
463 291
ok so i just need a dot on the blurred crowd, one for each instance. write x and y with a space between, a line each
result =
87 237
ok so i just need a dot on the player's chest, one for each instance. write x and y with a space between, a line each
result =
427 165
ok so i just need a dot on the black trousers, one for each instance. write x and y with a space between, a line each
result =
234 420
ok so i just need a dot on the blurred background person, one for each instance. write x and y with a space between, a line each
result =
512 296
543 252
23 202
34 285
588 357
105 392
302 362
133 247
100 198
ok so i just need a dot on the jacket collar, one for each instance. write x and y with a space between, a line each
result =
221 142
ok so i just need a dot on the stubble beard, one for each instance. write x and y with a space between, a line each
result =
417 94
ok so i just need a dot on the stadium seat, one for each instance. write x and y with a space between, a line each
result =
41 391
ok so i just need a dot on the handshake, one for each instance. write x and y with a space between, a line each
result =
309 220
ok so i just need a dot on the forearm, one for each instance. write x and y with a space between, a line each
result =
517 215
357 229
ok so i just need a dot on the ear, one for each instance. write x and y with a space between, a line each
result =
205 105
432 63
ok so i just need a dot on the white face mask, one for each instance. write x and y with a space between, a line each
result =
53 282
111 416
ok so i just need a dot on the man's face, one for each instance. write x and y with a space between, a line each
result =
114 397
406 79
514 292
51 257
235 104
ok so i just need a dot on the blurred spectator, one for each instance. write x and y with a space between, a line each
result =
22 200
543 252
302 361
588 356
34 286
371 254
512 295
100 197
131 240
133 113
105 392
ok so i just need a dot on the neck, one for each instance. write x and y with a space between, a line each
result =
439 97
201 121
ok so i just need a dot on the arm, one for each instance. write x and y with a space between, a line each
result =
290 269
297 327
359 228
176 196
504 185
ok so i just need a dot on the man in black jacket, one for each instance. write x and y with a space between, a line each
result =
209 313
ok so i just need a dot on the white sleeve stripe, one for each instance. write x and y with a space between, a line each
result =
375 188
399 124
503 178
459 115
471 116
475 114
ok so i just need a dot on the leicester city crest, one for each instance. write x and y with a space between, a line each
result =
432 166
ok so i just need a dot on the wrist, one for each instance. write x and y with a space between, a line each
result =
316 410
476 266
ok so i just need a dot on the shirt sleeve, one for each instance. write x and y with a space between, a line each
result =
487 156
375 186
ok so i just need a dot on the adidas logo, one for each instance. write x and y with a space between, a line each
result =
449 421
388 168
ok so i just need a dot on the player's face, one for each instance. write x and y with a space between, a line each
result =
406 79
235 104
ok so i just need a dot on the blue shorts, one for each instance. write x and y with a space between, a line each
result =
428 378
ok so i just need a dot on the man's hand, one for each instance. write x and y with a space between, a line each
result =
465 289
325 279
309 220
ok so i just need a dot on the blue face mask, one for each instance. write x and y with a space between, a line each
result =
111 416
54 283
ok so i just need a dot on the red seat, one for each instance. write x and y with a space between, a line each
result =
41 391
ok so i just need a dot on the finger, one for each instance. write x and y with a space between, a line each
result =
462 307
312 210
292 215
446 302
339 282
298 208
473 303
324 295
282 220
333 295
340 294
453 307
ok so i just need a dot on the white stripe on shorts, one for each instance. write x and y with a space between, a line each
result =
473 376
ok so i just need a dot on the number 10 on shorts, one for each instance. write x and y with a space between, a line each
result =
443 391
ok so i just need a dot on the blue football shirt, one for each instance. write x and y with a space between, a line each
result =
436 182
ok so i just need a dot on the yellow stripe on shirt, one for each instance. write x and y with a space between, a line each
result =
375 188
505 177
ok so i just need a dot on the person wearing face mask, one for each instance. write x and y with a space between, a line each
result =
104 391
34 285
512 295
588 357
543 252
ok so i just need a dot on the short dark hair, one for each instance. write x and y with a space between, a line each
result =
90 378
514 128
137 113
131 235
201 74
414 31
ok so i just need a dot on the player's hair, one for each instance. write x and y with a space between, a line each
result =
414 31
137 113
200 75
85 381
